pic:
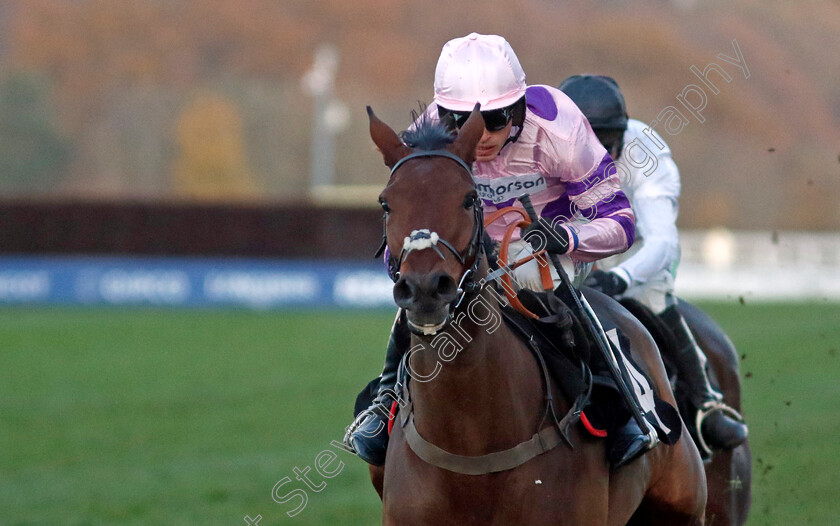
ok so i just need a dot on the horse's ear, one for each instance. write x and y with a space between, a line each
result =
386 140
468 136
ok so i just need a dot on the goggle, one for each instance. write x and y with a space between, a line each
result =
494 120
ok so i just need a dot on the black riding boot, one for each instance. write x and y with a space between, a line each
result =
714 425
628 443
369 437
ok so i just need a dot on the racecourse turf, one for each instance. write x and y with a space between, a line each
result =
169 417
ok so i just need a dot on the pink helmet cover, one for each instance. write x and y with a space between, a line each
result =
478 68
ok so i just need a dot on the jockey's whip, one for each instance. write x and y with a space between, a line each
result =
586 314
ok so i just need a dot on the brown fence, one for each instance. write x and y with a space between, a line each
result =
159 229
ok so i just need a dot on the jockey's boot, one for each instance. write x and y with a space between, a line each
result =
628 443
368 435
715 425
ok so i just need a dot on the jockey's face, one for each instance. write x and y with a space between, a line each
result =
612 139
491 144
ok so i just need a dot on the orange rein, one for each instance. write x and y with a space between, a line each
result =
507 283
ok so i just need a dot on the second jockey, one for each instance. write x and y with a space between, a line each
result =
651 180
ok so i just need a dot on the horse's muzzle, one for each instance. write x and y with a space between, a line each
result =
426 300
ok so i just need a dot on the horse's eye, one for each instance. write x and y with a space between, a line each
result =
384 205
469 201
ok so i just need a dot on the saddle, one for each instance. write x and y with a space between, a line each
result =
558 335
566 348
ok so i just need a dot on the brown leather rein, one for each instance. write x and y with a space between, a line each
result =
503 274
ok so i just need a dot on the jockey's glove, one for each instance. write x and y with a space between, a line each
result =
609 283
542 235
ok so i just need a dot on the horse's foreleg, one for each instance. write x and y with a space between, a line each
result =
730 487
742 482
729 475
377 477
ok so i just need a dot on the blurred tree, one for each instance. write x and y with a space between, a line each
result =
33 153
212 162
118 68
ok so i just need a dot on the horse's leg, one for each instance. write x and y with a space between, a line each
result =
730 472
674 476
742 477
377 476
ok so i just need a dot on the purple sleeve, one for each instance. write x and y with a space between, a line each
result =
608 225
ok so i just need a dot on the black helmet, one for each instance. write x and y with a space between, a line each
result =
599 98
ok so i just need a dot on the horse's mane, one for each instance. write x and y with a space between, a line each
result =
427 133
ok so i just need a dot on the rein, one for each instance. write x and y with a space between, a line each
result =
503 273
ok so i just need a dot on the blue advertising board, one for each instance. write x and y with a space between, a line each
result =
193 282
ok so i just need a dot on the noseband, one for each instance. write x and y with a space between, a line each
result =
421 239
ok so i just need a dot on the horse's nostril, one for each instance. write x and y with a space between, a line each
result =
428 290
445 286
403 292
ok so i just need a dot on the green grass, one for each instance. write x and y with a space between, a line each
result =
185 417
790 370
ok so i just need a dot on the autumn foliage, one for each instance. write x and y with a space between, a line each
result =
211 163
119 83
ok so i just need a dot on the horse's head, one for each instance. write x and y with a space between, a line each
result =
433 217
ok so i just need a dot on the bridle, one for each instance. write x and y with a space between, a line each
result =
469 258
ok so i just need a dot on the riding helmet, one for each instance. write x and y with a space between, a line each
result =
599 98
478 68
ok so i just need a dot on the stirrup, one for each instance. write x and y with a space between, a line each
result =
704 411
374 409
348 432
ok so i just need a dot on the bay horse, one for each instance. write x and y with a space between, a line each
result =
729 473
491 396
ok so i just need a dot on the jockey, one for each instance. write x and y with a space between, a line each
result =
536 142
646 273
